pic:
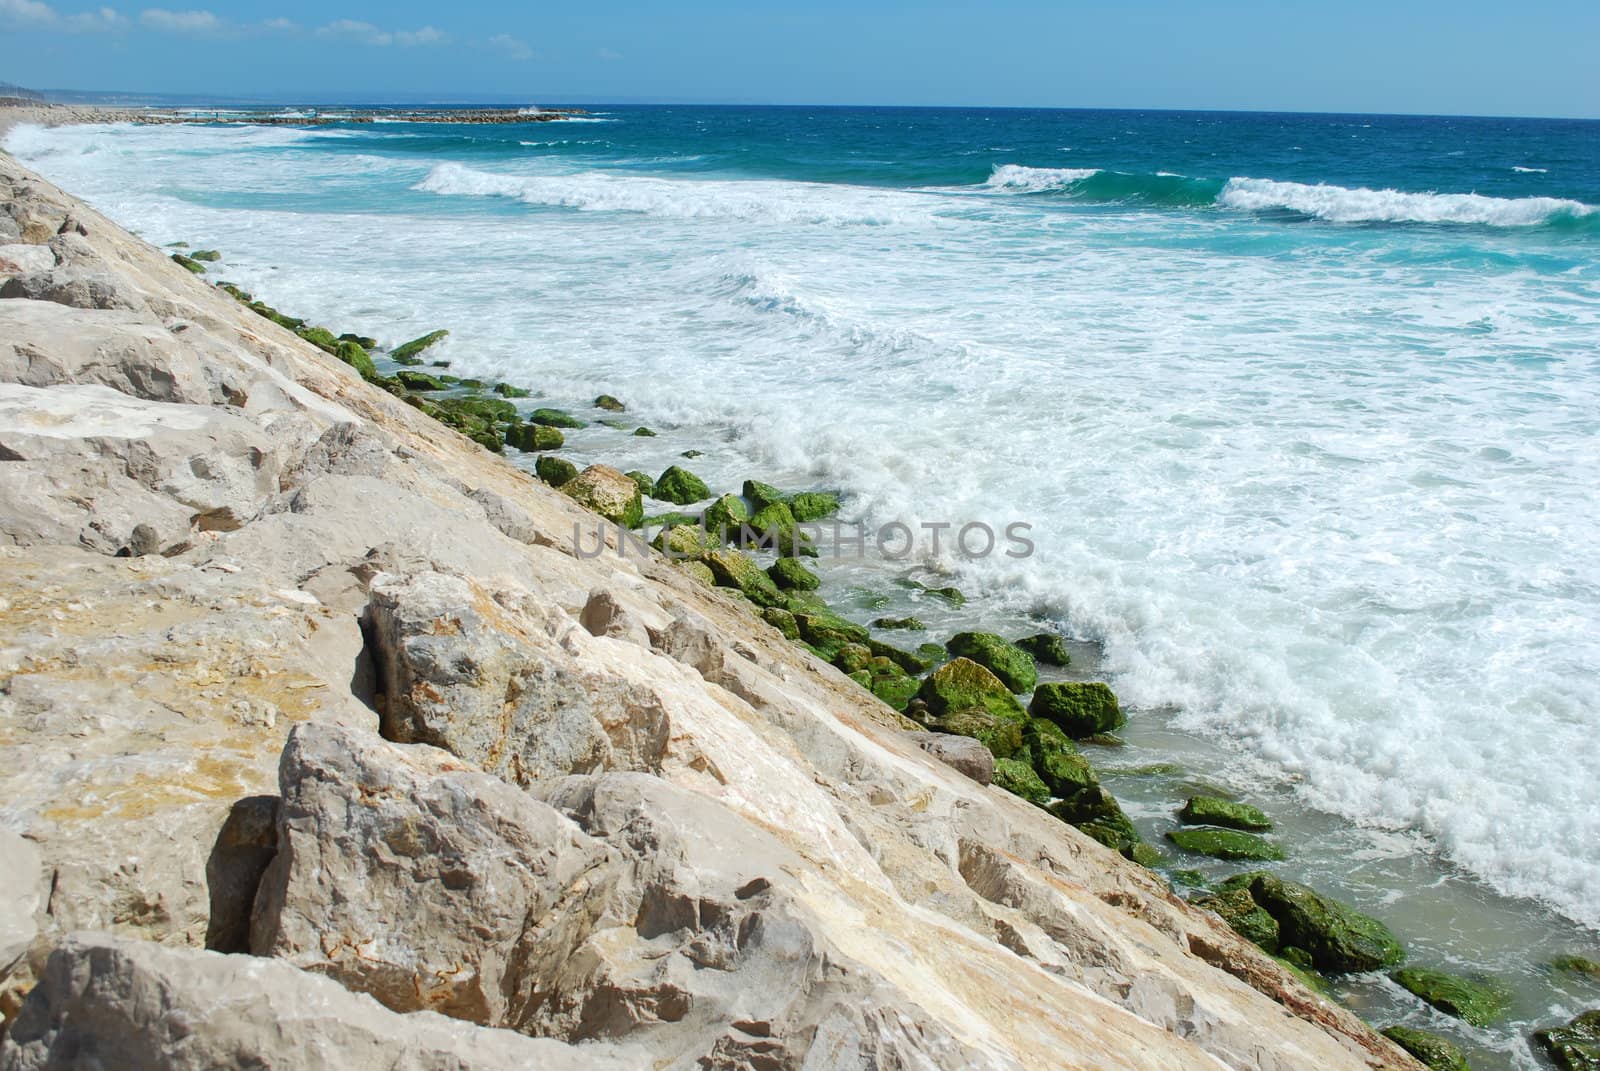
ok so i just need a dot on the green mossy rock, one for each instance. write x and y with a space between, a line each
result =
861 677
1001 735
1010 663
951 595
933 653
1431 1050
725 515
1476 1001
354 355
1249 919
642 432
411 350
646 485
761 495
680 486
790 575
682 542
1112 828
692 454
363 341
1216 811
319 337
534 437
1576 1046
1577 965
555 418
733 569
209 255
1082 710
411 379
186 263
506 390
607 492
1225 844
668 520
853 657
1047 649
609 404
1019 779
897 690
1340 939
908 662
783 621
555 471
813 505
824 630
904 624
700 571
962 683
1146 856
807 602
776 526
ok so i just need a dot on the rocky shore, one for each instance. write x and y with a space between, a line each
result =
327 745
58 114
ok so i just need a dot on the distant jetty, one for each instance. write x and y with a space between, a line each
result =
52 114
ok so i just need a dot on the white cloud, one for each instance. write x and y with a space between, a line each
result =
364 32
33 15
102 21
511 46
157 18
25 13
425 36
280 25
610 55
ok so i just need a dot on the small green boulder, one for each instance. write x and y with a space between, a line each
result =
188 263
411 379
1477 1001
1577 965
554 471
354 355
1576 1046
643 432
906 624
533 437
761 495
1216 811
1001 735
734 569
647 486
962 683
1225 844
907 661
1018 778
813 505
411 350
1047 649
555 418
682 542
1248 918
506 390
853 657
363 341
1010 663
790 575
680 486
1432 1051
896 689
824 630
1082 710
319 337
609 404
210 255
783 621
609 493
725 515
1339 938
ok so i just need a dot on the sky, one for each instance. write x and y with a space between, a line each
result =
1415 56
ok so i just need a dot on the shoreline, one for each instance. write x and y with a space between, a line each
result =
48 114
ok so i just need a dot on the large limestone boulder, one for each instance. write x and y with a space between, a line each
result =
106 1002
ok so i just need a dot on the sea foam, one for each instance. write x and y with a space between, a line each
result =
1339 204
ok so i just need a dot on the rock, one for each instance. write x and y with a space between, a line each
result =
813 505
735 569
1002 736
892 684
692 454
680 486
790 575
555 418
853 657
684 542
188 264
1577 965
827 632
1225 844
1012 665
364 341
963 683
961 753
608 403
783 621
906 660
726 515
412 350
951 595
642 432
488 688
1338 938
106 1001
761 495
609 493
1018 778
1249 919
506 390
1478 1001
1434 1052
1047 649
208 255
530 438
245 846
1082 710
775 527
907 624
1576 1046
19 892
412 379
355 355
645 484
80 288
23 259
555 471
670 520
1216 811
319 337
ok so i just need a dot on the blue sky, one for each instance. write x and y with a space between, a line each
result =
1424 56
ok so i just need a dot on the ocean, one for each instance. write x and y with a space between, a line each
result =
1302 410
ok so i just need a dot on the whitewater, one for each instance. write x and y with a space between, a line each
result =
1304 416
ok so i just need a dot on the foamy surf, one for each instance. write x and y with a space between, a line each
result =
1338 204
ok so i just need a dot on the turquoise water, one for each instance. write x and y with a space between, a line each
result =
1303 410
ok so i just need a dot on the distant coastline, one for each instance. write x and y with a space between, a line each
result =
13 112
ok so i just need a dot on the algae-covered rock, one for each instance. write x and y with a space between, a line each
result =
1216 811
1339 938
1477 1001
790 575
895 689
1225 844
852 657
209 255
355 355
364 341
962 683
646 485
783 621
1108 824
1001 735
555 471
189 264
692 454
700 571
776 526
813 505
533 437
1047 649
319 337
1010 663
951 595
861 677
1433 1051
1577 965
1082 710
905 624
411 379
734 569
761 495
555 418
683 541
680 486
1576 1046
609 404
1019 779
506 390
910 663
671 519
609 493
1249 919
642 432
825 630
726 514
413 349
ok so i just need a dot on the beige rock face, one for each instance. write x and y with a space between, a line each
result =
616 809
19 892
